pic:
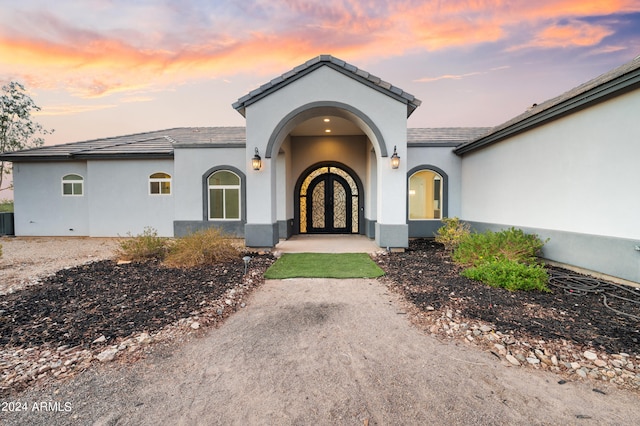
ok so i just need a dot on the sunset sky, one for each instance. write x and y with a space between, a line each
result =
110 67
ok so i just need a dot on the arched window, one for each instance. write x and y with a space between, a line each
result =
72 185
426 195
160 184
224 195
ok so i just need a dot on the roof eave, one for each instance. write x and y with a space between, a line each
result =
279 82
115 156
605 91
24 158
125 156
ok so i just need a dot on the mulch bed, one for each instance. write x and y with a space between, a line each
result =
78 305
429 280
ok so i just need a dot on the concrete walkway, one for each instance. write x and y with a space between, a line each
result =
322 243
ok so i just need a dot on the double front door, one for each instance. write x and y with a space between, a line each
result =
329 205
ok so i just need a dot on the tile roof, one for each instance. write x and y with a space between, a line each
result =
162 143
156 144
603 87
337 64
444 135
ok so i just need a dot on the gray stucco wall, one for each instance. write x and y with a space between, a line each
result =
39 206
575 178
119 199
617 257
115 199
191 164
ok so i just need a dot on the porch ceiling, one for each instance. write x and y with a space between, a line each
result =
317 126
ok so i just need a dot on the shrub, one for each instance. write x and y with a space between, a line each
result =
206 247
6 206
507 259
510 244
142 247
510 275
452 233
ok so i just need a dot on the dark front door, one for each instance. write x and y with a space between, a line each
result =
329 205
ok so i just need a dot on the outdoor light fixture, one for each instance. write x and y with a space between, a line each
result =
246 260
395 160
256 161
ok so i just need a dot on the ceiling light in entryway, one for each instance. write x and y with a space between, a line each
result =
326 120
327 130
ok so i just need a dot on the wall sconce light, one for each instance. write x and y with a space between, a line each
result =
395 159
256 161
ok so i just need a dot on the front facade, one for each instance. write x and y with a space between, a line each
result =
325 135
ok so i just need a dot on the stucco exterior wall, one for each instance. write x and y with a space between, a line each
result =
323 84
191 164
119 199
39 207
577 174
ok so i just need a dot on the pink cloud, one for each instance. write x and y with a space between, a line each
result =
575 33
143 53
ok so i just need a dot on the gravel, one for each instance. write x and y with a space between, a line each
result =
26 260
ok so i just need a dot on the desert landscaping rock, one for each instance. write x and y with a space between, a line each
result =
249 364
591 356
512 360
107 355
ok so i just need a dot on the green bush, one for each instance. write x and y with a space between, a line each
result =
206 247
452 233
507 259
510 275
6 206
142 247
509 244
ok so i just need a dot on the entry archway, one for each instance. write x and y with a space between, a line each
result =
328 200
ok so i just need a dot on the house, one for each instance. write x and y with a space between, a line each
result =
326 149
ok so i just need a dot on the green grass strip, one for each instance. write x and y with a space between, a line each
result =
324 265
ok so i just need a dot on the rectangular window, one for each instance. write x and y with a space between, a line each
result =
216 203
72 185
232 204
224 195
160 184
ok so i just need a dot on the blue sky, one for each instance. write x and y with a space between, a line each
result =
102 68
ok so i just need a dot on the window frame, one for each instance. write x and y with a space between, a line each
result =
444 192
72 182
224 189
160 181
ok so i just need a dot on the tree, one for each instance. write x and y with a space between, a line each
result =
17 129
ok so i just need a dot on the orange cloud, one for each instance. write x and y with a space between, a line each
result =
575 33
69 109
92 63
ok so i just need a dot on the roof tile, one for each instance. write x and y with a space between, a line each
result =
255 95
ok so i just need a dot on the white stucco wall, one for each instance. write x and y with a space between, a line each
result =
190 165
578 174
39 207
326 84
119 199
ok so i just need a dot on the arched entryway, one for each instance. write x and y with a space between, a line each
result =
328 200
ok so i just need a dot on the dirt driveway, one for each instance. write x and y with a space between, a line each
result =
323 352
